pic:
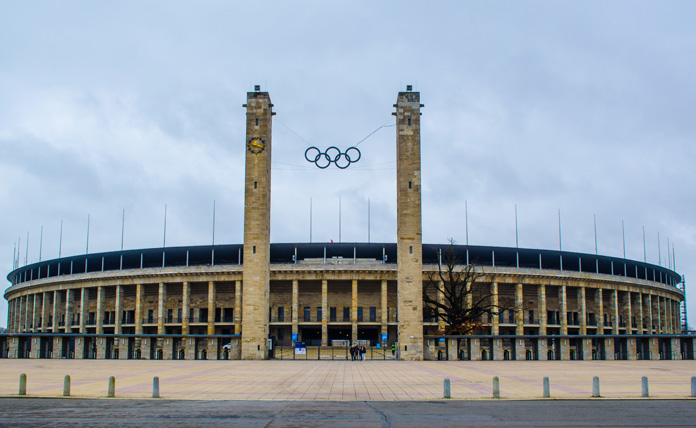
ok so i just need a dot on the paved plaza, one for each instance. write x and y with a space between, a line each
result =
346 380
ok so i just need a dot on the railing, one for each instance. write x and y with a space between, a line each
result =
332 353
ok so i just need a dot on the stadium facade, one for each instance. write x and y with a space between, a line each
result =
257 300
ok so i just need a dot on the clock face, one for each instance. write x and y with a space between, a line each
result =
256 145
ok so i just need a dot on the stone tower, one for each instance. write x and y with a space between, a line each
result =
257 226
408 225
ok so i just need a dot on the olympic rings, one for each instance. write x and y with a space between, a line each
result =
332 155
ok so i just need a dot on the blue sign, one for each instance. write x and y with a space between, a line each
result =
384 337
442 339
378 345
294 337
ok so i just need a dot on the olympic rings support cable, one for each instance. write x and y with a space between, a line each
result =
332 155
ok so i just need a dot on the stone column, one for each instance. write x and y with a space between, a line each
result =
565 349
385 308
632 349
68 315
324 314
238 307
185 304
100 310
475 350
257 226
629 314
56 314
354 311
117 311
101 347
497 348
160 308
295 306
668 315
615 310
20 314
564 309
26 313
408 225
587 349
609 349
452 349
211 309
16 314
654 349
57 348
659 315
542 312
676 349
600 309
495 320
545 346
583 314
10 315
84 297
10 310
639 322
33 313
440 299
44 312
139 294
650 314
519 309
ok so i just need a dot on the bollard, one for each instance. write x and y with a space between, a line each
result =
66 386
547 388
496 387
111 392
448 391
595 386
644 384
693 386
23 384
155 387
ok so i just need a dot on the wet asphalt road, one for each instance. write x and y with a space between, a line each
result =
50 412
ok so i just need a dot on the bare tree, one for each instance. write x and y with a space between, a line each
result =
463 299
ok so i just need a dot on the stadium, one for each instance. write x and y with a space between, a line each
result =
259 300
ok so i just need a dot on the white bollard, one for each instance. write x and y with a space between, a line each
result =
155 387
448 391
111 391
66 386
595 386
644 384
547 388
496 387
23 384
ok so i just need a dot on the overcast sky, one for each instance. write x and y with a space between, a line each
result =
587 107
